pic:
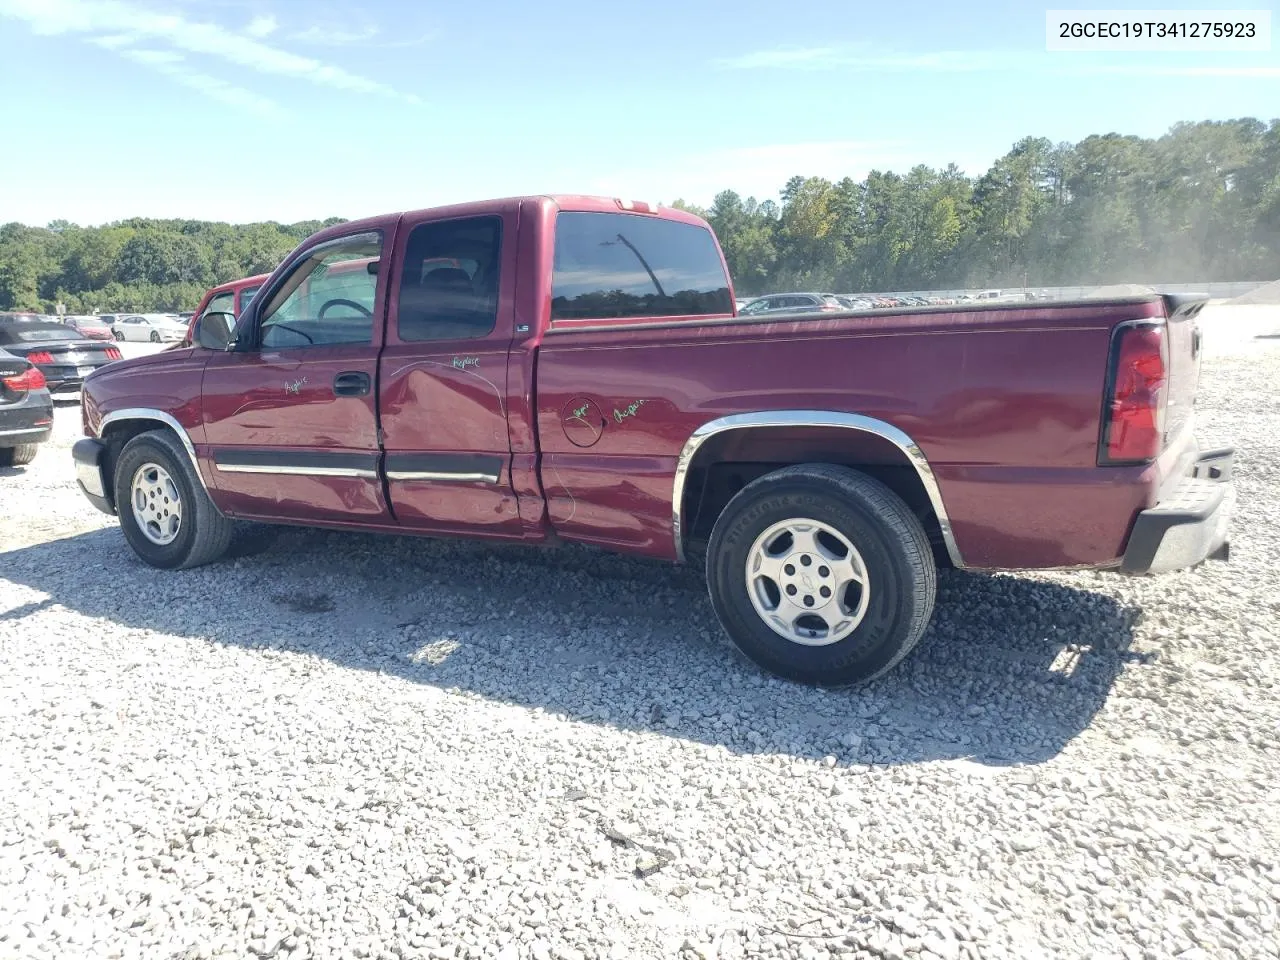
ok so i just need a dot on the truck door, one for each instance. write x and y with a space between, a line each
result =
291 414
443 374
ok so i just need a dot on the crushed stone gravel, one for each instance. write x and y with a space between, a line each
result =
346 746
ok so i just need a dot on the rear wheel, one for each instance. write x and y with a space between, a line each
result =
17 456
119 335
155 336
821 574
164 512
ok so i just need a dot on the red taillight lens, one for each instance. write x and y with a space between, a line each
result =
31 379
1134 427
40 356
113 353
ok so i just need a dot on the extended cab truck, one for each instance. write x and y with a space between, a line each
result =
571 368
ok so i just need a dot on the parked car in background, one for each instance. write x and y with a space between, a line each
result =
26 409
91 327
61 354
855 303
792 303
156 327
231 297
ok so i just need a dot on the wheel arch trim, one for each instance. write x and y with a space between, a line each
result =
810 418
165 419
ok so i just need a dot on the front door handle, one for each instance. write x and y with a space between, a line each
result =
353 383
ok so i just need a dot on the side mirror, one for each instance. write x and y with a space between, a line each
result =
213 331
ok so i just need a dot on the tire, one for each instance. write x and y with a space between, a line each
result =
23 453
202 534
155 337
870 625
118 335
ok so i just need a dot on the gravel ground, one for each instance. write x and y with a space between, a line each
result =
342 746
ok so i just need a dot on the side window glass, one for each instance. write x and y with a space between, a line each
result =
611 265
221 303
328 298
246 298
449 287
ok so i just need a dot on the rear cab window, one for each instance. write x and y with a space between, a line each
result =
619 265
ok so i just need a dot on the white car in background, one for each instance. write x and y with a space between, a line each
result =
156 327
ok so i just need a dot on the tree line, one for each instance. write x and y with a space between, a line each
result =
1200 203
136 264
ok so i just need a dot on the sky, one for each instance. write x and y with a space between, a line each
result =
251 110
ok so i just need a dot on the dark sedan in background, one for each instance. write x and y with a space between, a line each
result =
26 410
60 353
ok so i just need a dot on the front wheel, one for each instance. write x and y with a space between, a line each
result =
164 512
821 574
155 337
119 335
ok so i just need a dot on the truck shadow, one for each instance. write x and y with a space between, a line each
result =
1011 670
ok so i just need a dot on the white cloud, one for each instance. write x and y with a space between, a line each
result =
114 19
335 36
261 27
858 59
1259 73
854 58
788 57
152 58
172 65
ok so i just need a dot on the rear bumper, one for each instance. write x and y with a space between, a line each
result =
90 460
29 420
14 436
1189 525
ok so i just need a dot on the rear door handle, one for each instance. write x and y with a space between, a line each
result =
353 383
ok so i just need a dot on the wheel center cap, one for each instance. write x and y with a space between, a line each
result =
807 581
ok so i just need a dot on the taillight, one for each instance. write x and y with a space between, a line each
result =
31 379
113 353
40 356
1133 416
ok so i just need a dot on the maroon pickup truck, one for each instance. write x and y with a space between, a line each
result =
572 369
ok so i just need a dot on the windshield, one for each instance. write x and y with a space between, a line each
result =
35 332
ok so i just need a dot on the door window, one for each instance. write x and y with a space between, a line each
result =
449 287
246 298
221 303
328 298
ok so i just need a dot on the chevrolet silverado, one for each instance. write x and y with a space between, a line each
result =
569 368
